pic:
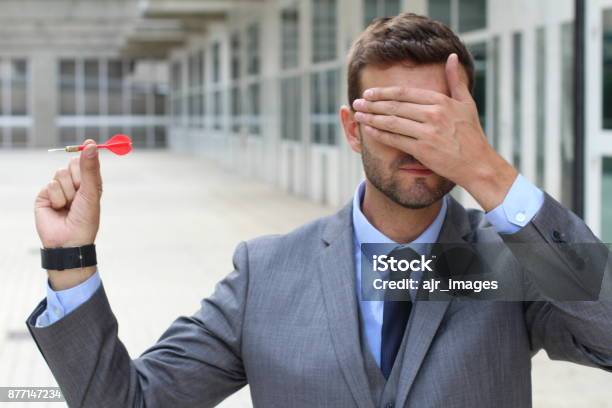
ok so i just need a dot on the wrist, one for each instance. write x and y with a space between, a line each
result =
69 278
491 182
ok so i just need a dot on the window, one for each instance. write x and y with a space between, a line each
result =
291 109
540 105
253 52
291 78
479 52
67 87
290 38
567 115
472 15
517 96
195 87
131 88
159 135
324 30
218 110
379 8
139 136
235 56
253 108
19 91
607 69
68 136
115 87
461 15
324 101
176 86
606 200
216 50
19 137
13 87
235 92
92 87
495 105
236 109
440 10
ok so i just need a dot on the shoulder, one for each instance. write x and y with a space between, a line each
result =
304 240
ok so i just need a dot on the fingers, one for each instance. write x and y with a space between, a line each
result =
458 87
393 124
89 167
64 178
405 94
56 195
420 113
399 142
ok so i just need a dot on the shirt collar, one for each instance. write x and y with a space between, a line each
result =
366 233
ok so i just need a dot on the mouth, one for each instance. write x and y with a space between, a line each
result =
416 170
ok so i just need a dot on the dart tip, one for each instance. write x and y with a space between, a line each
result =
56 150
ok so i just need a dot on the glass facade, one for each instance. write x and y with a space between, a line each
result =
495 127
14 102
517 98
373 9
290 38
96 95
324 30
440 10
461 15
479 52
567 115
541 77
325 87
472 15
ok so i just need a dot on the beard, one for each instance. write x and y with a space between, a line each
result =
416 194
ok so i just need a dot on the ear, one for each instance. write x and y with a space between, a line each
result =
351 128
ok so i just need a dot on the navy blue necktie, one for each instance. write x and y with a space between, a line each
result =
396 312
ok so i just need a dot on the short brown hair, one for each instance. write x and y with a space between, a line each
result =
405 37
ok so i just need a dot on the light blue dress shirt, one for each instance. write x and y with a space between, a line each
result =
518 208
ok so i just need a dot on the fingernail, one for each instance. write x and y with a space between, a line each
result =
359 116
358 103
91 151
368 93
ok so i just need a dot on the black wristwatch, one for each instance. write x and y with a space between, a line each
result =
68 258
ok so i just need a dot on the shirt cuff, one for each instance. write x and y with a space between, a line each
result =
520 205
62 302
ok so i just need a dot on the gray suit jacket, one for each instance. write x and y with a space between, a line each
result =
286 322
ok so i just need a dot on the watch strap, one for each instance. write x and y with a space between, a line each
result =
68 258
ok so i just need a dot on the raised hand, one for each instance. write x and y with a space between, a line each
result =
442 131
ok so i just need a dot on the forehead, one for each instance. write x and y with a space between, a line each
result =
429 76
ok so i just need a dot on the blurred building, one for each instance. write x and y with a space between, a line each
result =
65 75
256 84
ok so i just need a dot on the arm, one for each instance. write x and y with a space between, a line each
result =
197 361
577 331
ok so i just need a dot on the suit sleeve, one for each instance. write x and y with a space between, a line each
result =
196 362
565 261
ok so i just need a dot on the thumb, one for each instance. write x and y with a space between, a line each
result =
89 164
458 88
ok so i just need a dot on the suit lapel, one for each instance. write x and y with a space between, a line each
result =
337 276
426 316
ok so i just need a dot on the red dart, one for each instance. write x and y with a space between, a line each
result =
118 144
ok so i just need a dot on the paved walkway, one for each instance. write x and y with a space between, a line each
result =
169 226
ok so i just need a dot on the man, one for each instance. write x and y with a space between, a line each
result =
290 320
